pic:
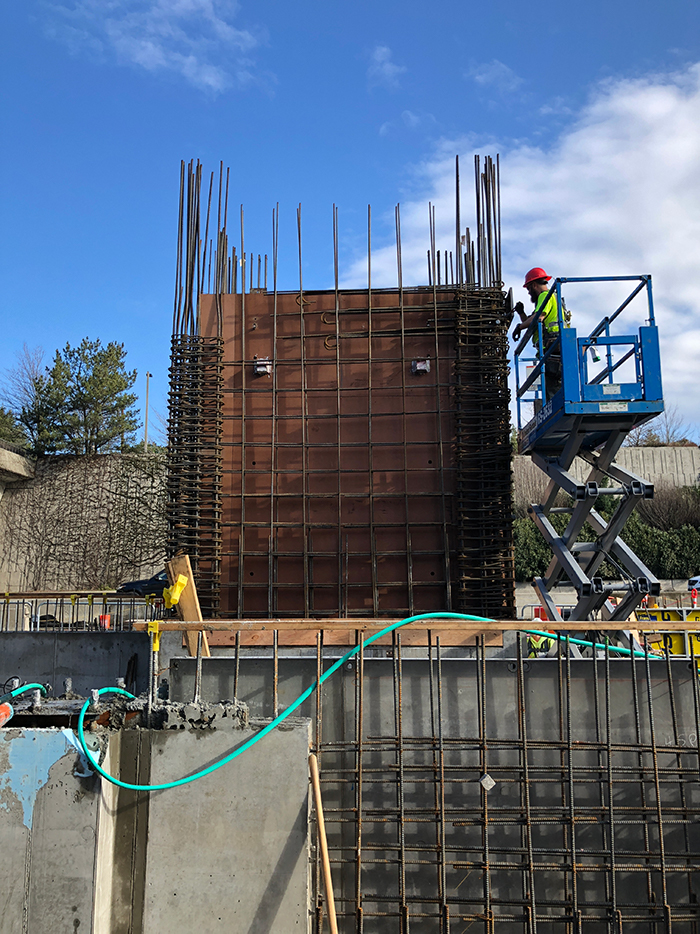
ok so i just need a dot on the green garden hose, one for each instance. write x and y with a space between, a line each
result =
292 707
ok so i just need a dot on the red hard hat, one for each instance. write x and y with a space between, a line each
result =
536 273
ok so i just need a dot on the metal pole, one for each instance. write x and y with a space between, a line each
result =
145 425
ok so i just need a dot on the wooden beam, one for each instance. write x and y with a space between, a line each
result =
373 625
188 608
307 637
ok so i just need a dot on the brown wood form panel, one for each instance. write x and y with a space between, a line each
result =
339 474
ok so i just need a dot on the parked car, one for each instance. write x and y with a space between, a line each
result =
694 583
146 588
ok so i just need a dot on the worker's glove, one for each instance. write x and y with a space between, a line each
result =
516 332
520 308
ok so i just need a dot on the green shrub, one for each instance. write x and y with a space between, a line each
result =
672 553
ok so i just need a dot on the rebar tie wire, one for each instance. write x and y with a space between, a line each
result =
300 700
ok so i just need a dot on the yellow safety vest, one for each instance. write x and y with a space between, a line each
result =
551 318
538 644
550 325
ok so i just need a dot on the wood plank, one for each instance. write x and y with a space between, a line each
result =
188 608
418 637
372 625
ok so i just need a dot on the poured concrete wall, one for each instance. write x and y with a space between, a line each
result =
664 467
226 853
230 852
48 833
84 523
92 660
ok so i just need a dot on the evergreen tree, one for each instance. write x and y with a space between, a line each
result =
10 431
82 403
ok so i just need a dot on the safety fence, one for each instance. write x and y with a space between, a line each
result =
87 611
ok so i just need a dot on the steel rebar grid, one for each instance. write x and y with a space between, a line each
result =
582 828
212 261
278 464
283 463
485 572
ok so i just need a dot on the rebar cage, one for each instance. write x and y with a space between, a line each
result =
341 452
484 794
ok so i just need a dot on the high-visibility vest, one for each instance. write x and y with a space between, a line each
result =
550 324
537 644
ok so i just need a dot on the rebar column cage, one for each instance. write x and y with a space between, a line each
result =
195 461
483 504
342 452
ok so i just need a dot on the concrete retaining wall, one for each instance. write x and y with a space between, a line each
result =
664 467
226 853
87 523
92 660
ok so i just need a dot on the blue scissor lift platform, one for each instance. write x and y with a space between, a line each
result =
578 413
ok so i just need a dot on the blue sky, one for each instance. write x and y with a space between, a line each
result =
595 109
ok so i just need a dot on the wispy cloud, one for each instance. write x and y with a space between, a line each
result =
408 120
557 107
196 39
616 193
382 72
495 75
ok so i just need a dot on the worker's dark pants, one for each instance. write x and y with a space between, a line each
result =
552 366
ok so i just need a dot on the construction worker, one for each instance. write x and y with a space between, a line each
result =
540 646
537 285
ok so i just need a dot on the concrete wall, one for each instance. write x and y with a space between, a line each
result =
665 467
14 466
48 833
85 523
230 852
226 853
92 660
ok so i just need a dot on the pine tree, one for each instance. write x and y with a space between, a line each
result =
10 431
82 403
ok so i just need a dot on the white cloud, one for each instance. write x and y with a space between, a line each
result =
382 72
557 107
496 75
408 120
615 193
193 38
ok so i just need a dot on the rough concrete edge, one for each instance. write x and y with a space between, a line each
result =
15 467
105 839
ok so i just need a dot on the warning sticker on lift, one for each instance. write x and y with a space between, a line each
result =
612 389
612 406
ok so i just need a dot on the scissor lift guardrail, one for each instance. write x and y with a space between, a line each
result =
577 413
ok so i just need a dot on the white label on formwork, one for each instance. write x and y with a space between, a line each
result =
612 389
612 407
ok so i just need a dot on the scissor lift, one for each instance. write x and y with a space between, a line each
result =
574 414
